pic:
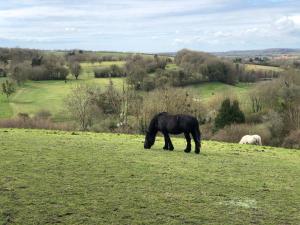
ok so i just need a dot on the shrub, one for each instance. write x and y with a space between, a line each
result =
8 88
233 133
228 114
3 72
148 84
254 118
276 126
34 123
43 114
112 71
292 140
101 72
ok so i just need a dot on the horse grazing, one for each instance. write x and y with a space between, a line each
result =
251 139
174 124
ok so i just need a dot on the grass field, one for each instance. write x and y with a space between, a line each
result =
263 68
207 90
50 177
88 68
34 96
49 95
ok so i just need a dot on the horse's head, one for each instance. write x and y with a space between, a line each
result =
149 140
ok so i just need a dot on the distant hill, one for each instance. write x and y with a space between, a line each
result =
263 52
249 53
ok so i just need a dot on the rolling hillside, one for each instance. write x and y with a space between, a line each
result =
86 178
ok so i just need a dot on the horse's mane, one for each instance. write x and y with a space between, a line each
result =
153 122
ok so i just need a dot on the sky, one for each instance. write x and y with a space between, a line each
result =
150 25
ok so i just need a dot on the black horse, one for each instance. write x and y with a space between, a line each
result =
174 124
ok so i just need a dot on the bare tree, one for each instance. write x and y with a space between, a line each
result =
79 104
75 69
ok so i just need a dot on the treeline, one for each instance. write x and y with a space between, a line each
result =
49 67
112 71
191 67
27 64
93 57
22 64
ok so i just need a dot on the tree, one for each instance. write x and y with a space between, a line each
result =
229 114
19 72
75 69
136 72
80 104
8 88
108 102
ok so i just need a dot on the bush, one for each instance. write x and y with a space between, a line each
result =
148 84
43 114
234 133
112 71
2 72
254 118
34 123
292 140
229 114
101 72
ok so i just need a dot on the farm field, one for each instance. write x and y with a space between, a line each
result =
87 178
263 68
34 96
88 68
209 89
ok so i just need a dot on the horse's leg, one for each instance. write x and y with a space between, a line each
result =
197 139
168 141
166 147
188 142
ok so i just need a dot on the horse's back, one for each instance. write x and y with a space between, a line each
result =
251 139
176 124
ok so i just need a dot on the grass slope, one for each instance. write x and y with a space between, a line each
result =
85 178
34 96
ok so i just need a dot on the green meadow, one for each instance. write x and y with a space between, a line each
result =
34 96
51 177
263 68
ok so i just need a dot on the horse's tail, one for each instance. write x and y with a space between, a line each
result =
198 133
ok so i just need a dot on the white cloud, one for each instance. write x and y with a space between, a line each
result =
156 25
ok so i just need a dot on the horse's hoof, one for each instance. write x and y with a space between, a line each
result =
197 152
165 148
187 151
171 149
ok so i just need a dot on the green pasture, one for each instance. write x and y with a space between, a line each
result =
34 96
263 68
210 89
51 177
88 68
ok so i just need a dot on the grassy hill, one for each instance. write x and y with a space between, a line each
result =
34 96
87 178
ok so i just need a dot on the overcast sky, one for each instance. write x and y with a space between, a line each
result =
150 25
